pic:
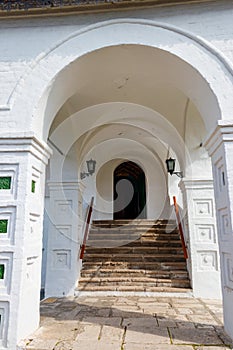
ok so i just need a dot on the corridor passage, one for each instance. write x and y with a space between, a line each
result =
129 323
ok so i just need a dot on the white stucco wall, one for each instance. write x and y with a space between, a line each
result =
16 64
42 74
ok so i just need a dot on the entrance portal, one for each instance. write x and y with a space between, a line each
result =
129 192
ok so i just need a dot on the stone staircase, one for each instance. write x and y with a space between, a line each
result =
137 256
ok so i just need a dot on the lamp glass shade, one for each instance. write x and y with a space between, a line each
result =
91 166
170 165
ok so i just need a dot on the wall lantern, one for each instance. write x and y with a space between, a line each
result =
90 169
171 167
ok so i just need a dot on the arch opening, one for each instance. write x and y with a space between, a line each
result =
129 192
191 89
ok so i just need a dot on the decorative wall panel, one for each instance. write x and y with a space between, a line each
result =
63 210
31 269
203 208
33 217
225 227
207 261
4 316
7 225
8 180
205 233
6 260
63 233
62 259
228 270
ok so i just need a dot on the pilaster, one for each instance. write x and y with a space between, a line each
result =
198 197
22 168
220 147
65 214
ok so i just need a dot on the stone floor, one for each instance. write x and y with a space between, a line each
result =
129 323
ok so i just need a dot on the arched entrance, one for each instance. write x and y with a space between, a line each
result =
129 192
60 101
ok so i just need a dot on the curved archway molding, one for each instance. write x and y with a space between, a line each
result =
201 56
142 118
196 69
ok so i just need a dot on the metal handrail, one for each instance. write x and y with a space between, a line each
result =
180 228
87 226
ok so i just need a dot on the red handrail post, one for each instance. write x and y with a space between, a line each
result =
87 225
180 228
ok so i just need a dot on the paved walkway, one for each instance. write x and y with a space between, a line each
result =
129 323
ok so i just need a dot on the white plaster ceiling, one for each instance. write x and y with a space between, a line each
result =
136 75
130 73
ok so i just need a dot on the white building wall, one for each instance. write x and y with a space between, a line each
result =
23 158
157 202
63 227
63 264
37 37
220 147
202 240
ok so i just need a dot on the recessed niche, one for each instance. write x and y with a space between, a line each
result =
8 180
7 225
62 259
2 271
3 226
33 186
205 233
6 260
207 260
5 182
4 318
228 270
203 208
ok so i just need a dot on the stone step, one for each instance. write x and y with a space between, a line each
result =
134 250
137 285
158 243
140 244
126 239
133 288
119 280
117 242
121 224
132 230
103 272
135 222
172 265
134 257
137 255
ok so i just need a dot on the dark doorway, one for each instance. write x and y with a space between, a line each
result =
129 192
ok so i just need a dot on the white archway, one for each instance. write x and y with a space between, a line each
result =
193 67
211 73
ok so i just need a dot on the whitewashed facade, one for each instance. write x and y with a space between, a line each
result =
137 85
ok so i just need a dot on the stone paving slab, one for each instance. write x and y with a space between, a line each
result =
134 346
211 348
42 344
111 334
195 336
129 323
148 335
110 321
58 330
132 323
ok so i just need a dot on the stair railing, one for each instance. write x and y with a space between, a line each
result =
180 228
87 228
